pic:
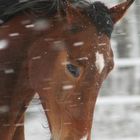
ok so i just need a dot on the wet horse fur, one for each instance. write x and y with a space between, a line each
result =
65 61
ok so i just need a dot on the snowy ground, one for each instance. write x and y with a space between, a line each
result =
36 126
116 118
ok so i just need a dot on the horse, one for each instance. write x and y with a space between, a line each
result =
61 50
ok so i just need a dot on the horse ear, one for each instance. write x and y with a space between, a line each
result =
119 10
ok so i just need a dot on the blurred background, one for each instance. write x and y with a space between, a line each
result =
117 112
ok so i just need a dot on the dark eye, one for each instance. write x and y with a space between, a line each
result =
74 70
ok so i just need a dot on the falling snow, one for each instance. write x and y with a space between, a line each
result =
41 25
13 34
3 44
4 109
67 87
58 45
102 44
30 26
9 71
83 58
76 44
1 21
36 57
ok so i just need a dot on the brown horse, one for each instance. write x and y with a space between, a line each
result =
61 50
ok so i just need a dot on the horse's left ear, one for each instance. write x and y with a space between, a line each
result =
119 10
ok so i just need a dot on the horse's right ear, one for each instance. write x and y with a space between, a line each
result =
119 10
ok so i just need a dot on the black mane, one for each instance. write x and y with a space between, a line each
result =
96 11
9 9
100 16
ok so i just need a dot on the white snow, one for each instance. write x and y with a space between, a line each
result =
13 34
30 26
3 44
19 124
38 25
99 63
76 44
41 25
1 21
102 44
36 57
83 58
58 45
36 126
79 98
67 87
4 109
9 71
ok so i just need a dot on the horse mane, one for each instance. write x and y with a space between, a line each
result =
101 17
96 11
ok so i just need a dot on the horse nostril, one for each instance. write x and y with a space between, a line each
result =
74 70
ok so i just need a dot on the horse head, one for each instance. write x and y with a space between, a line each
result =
76 57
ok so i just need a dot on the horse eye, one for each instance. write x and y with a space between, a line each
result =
74 70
